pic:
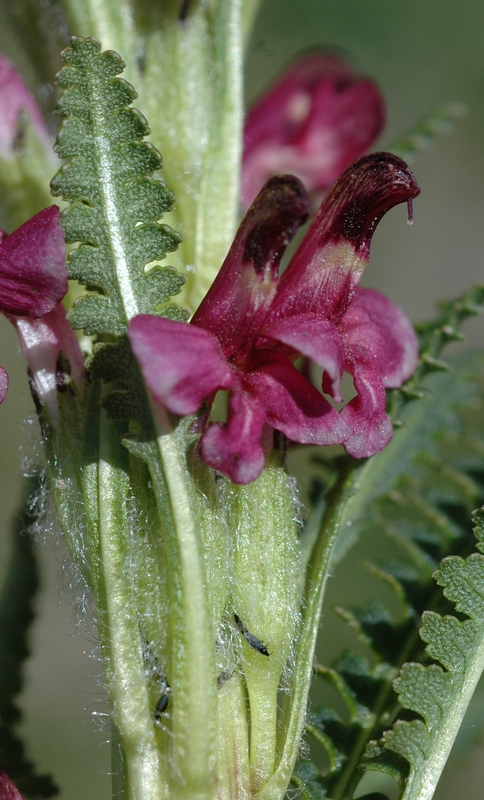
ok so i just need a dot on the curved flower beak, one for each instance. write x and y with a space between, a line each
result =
238 300
320 312
317 118
328 264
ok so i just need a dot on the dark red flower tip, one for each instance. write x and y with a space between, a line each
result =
248 277
328 264
282 207
364 193
316 119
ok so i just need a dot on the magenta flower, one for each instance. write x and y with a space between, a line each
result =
8 790
33 273
42 341
314 122
252 325
15 97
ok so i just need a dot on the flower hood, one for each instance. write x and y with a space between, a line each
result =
253 324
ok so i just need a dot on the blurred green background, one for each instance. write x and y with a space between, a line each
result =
423 53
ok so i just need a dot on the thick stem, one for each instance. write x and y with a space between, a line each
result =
110 21
250 9
194 683
263 727
314 594
233 774
265 600
219 187
127 679
106 489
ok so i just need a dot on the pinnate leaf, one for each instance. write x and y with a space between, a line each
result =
420 497
441 694
115 203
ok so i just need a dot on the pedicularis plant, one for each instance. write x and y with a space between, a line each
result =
167 397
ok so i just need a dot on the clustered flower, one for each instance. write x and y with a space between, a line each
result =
255 323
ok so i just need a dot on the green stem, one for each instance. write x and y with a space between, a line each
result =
194 715
263 689
132 710
219 186
106 485
110 21
250 9
233 774
314 594
118 765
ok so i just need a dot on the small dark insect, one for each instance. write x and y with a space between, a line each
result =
224 677
161 706
251 640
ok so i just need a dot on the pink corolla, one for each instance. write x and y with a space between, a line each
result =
33 273
314 122
15 98
253 324
42 342
8 790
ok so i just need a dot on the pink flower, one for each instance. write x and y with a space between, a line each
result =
8 790
42 341
33 273
314 122
252 325
15 97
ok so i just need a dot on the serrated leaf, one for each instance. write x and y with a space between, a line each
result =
420 496
423 135
115 202
433 337
17 599
441 697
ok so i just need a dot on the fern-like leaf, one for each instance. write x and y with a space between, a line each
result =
17 599
434 336
423 506
440 693
115 203
423 135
